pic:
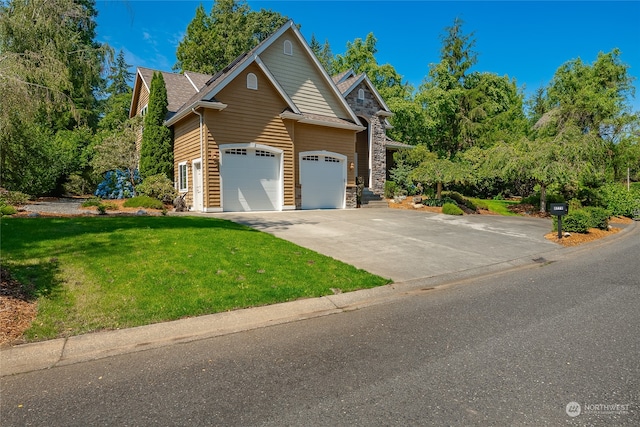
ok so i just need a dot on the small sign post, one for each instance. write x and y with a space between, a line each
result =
559 210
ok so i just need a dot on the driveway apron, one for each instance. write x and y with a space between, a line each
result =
405 245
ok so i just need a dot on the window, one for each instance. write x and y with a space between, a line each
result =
262 153
288 48
236 151
360 96
311 158
331 160
252 81
143 111
182 177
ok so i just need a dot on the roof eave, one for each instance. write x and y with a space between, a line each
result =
218 106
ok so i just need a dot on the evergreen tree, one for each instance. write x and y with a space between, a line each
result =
213 41
156 151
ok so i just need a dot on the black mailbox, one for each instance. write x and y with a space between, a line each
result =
559 209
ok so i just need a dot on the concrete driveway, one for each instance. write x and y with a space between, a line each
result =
406 245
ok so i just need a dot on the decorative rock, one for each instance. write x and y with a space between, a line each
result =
141 212
34 215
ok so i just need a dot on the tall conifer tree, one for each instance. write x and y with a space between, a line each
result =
156 151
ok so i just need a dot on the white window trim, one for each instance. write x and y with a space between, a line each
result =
144 110
288 48
360 94
252 81
181 188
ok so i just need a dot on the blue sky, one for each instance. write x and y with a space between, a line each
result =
526 40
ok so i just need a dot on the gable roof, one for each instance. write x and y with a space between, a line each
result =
348 81
206 95
180 87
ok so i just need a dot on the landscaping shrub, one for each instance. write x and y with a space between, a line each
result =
7 210
599 217
143 202
13 198
619 201
461 200
159 187
575 222
451 209
92 201
438 202
117 185
390 188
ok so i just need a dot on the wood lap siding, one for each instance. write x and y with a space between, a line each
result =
250 116
301 79
312 138
185 149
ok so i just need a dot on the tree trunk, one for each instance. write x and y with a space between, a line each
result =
543 198
439 191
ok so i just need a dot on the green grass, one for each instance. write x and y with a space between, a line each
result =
93 273
497 206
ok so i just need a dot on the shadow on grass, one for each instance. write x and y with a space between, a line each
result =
20 234
35 280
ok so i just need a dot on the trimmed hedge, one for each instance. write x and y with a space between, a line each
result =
143 202
451 209
581 220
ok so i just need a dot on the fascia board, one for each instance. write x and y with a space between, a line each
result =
136 94
219 106
331 125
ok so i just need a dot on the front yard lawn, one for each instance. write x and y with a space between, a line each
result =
94 273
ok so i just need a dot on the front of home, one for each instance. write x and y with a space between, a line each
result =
272 131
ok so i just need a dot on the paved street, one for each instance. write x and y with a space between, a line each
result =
510 349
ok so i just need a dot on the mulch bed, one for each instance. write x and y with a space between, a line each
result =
17 310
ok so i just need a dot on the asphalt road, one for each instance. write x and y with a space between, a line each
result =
510 349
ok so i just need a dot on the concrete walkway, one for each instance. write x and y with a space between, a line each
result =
420 251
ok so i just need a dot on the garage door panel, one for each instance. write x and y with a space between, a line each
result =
251 180
322 177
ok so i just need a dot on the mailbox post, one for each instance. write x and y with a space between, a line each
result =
559 210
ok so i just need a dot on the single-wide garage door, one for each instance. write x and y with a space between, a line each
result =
323 178
251 178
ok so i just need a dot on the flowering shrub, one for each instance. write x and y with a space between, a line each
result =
118 184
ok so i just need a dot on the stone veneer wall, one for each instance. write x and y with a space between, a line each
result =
368 109
352 200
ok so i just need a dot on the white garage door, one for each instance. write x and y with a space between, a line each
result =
323 178
251 178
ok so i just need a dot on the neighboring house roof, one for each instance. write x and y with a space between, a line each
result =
206 95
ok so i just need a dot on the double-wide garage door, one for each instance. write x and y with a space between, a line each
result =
251 178
323 178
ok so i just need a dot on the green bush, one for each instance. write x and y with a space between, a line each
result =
451 209
534 199
390 188
159 187
7 210
438 202
461 200
575 222
143 202
13 198
599 217
619 201
92 201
